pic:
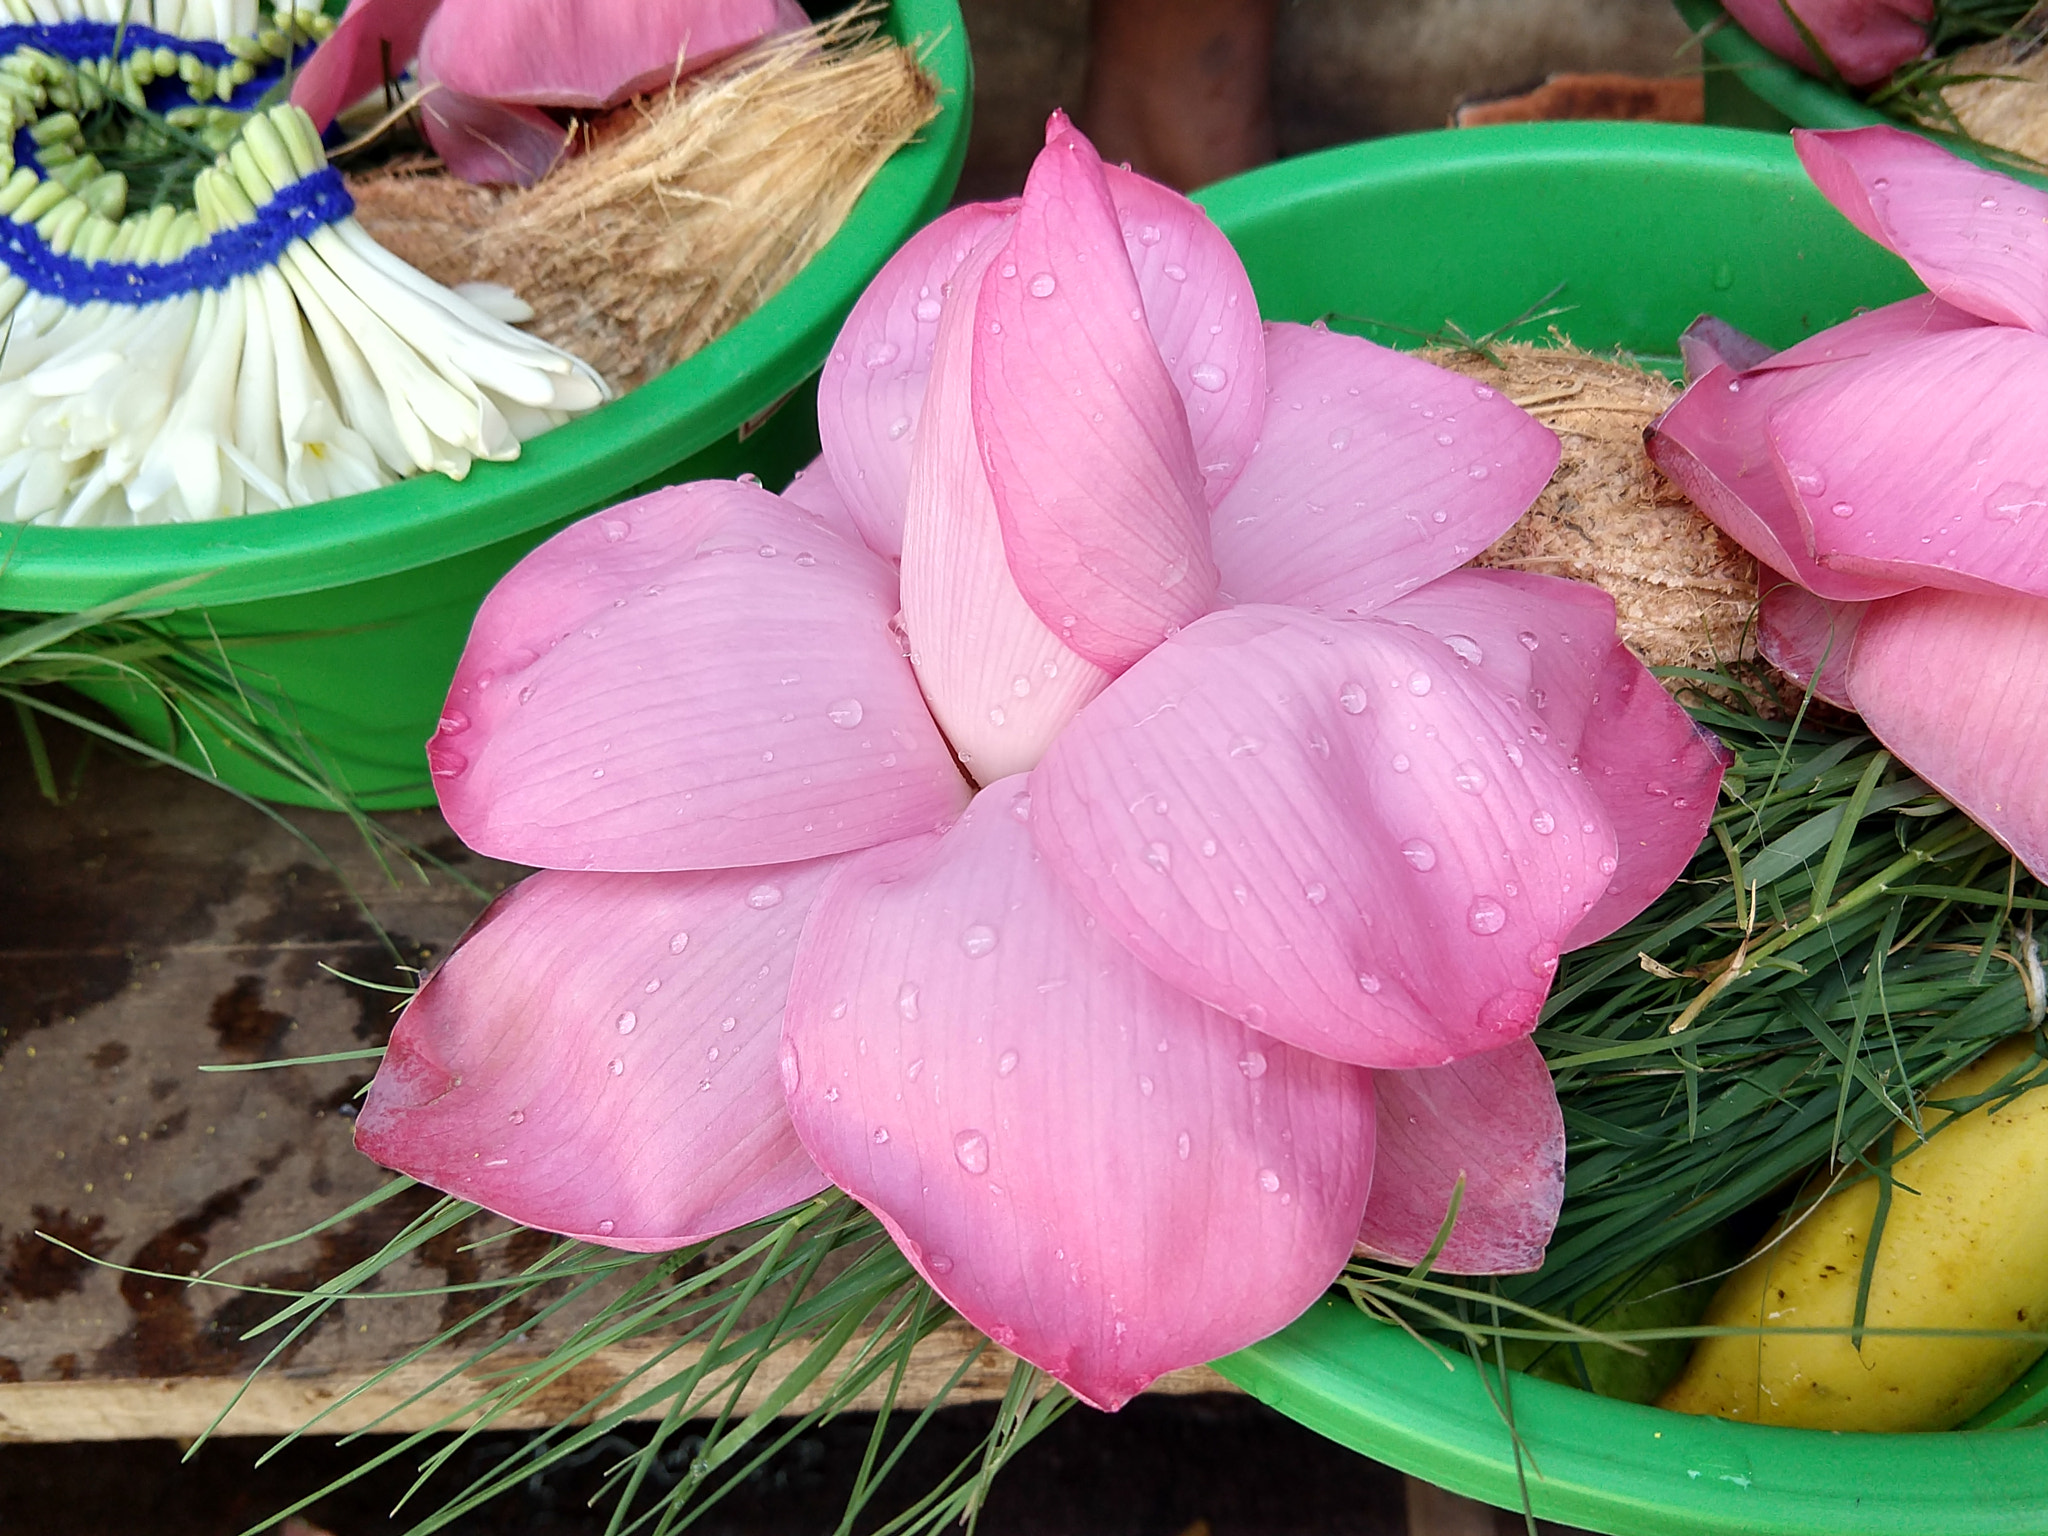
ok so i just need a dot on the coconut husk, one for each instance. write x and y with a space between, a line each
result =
1684 592
683 211
2009 112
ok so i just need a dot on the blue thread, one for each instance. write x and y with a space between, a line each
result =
82 40
307 205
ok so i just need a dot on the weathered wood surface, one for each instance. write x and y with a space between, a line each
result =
151 925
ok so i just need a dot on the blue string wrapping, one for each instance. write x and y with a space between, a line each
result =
308 204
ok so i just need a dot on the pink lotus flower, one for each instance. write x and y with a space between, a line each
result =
1894 472
1864 40
489 66
1282 823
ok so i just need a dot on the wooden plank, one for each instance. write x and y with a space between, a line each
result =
148 926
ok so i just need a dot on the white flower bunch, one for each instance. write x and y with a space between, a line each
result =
253 350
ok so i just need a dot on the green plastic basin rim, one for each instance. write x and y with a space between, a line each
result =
1809 102
582 464
1595 1462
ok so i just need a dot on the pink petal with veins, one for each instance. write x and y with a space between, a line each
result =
1957 686
1801 634
490 142
1375 472
1924 464
1084 436
999 681
812 489
1203 318
1712 445
871 394
1491 1120
598 1057
1874 331
1864 40
703 678
1658 776
1974 237
589 53
371 36
1107 1178
1345 833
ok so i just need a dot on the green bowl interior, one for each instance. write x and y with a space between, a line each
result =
1645 227
586 464
1748 86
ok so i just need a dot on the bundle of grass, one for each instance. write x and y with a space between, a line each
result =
1998 93
685 210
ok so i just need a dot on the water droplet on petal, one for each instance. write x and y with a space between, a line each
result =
628 1022
1466 649
618 1065
448 765
1006 1063
1607 864
1843 509
1042 285
1020 808
881 354
1542 822
1401 763
1352 698
1208 376
1481 392
1528 640
764 896
1183 1144
971 1150
606 1228
978 940
881 1136
1418 683
1419 854
1175 272
1149 235
906 1000
844 713
1145 1086
518 1117
452 723
1486 915
2014 501
1247 746
926 310
1315 893
1469 778
615 529
1807 479
1367 982
1269 1181
1340 439
1159 856
1252 1063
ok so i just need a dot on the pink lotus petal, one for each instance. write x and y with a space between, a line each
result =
1874 331
1374 473
1711 444
1658 776
1711 342
598 1057
1924 464
1491 1119
812 489
1106 1177
704 678
352 62
999 681
589 53
1083 434
1800 634
1553 642
1957 686
1976 238
488 142
1203 317
871 393
1345 833
1864 40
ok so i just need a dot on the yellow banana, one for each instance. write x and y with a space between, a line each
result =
1964 1246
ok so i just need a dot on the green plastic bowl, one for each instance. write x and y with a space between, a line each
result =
1748 86
1646 226
352 614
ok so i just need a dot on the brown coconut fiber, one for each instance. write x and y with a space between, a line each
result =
1684 592
683 211
2007 106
